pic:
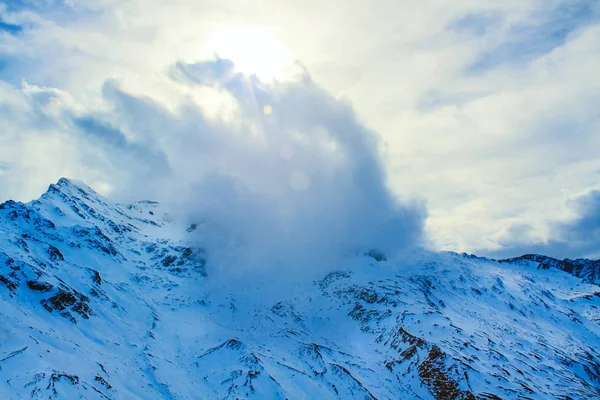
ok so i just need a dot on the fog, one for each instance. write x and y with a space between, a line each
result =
289 178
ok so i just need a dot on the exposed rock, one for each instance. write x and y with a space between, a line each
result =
40 286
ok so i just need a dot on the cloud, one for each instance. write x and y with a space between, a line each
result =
582 234
520 40
153 160
587 225
577 237
301 183
206 73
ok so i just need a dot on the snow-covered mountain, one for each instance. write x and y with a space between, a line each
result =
104 300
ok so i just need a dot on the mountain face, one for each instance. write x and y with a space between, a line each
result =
112 301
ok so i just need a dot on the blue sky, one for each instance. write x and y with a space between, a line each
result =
10 28
472 124
544 30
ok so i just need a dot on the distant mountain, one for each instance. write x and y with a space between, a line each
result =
587 270
113 301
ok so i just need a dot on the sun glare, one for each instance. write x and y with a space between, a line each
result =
253 50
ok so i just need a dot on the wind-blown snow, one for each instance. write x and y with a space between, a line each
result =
105 300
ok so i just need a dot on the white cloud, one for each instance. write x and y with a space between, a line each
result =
303 182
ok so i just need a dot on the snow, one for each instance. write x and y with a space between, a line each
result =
104 300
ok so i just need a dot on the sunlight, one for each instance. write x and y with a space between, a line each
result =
254 51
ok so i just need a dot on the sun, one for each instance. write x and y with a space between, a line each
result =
254 50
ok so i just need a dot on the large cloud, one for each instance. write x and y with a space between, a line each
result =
291 178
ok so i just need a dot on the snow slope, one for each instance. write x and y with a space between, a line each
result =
103 300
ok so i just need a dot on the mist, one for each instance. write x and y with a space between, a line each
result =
290 177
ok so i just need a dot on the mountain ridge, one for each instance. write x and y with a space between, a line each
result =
95 295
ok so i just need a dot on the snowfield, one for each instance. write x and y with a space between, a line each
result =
109 301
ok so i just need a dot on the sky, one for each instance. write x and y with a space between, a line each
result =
466 125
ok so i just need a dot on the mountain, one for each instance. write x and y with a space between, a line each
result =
101 300
587 270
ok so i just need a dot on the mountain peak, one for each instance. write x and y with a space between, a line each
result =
67 183
70 188
64 182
